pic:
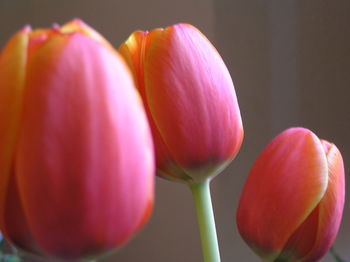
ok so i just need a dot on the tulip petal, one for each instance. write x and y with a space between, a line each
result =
331 206
12 73
284 186
191 99
17 229
72 149
314 237
133 52
78 26
302 240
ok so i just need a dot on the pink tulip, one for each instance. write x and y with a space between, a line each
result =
189 98
76 157
292 203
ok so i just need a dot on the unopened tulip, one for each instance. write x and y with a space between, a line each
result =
76 157
292 203
190 100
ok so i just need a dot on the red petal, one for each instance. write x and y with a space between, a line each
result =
284 186
331 206
13 61
191 98
85 160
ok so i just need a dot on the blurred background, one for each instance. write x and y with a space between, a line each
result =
290 62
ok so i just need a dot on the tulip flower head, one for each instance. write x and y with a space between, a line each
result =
292 203
189 98
76 156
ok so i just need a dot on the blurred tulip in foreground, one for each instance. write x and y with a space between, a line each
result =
292 203
76 158
190 100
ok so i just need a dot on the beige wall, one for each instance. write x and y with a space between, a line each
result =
290 63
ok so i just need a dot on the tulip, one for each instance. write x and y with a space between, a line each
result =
190 101
292 203
192 109
76 155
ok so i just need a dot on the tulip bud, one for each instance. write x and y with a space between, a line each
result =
76 156
189 99
292 203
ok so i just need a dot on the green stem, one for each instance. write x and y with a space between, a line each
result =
205 215
336 256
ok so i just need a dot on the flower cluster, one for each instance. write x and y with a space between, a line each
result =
85 127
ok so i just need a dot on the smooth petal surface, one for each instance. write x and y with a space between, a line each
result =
133 51
78 26
312 240
287 181
84 162
331 206
16 229
190 99
12 74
